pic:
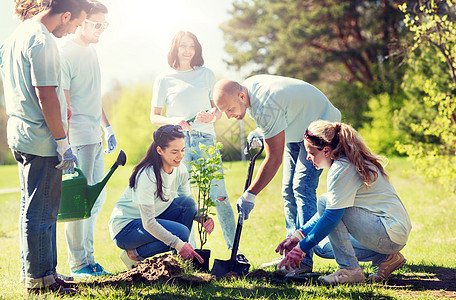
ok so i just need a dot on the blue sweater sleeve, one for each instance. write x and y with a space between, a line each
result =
318 228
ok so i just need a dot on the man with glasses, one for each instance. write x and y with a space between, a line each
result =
282 108
35 104
81 80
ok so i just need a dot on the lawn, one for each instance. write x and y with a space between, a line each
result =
430 253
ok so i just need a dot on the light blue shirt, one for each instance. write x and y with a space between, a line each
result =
127 208
29 59
82 77
287 104
185 94
346 189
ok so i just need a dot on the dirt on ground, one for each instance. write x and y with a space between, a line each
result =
165 268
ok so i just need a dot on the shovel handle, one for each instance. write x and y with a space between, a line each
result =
237 236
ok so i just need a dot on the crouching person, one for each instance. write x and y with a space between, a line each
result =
156 211
361 213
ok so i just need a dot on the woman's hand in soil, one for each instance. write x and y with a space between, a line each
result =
209 225
187 252
287 245
293 258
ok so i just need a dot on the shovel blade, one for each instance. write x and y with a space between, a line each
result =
223 267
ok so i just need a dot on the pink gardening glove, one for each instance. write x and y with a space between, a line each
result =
209 225
287 245
293 258
187 252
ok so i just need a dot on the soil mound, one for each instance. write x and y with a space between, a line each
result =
164 268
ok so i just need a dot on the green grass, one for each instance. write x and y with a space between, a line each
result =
430 248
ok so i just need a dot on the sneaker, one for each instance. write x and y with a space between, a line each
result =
302 269
392 263
53 288
99 269
85 272
130 263
342 276
275 262
240 258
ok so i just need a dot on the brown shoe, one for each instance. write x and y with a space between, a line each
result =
66 283
392 263
53 288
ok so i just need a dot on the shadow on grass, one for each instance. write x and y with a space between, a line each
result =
423 277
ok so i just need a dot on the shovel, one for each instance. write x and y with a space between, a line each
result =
223 267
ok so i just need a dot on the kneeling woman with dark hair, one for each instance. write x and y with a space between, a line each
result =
156 211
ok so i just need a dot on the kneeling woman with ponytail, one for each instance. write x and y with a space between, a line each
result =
156 211
361 213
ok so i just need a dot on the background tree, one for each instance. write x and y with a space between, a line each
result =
342 46
429 116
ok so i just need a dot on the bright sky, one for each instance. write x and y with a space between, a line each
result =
135 46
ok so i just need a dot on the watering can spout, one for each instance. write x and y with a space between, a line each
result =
78 197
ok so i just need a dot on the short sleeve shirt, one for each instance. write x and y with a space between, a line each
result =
82 77
346 189
29 59
185 94
287 104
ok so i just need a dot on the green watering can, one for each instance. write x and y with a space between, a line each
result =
78 197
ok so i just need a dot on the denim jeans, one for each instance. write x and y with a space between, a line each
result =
299 191
177 219
223 207
41 187
359 236
79 234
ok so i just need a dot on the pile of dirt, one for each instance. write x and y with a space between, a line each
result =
165 268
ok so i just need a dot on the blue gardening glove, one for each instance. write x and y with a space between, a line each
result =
254 139
65 155
110 139
245 205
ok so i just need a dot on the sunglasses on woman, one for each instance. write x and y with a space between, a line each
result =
98 25
168 129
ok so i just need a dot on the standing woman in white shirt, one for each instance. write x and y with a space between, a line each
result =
156 211
186 91
361 213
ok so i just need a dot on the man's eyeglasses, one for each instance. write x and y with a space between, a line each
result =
169 129
98 25
315 140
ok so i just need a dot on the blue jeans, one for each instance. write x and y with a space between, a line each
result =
299 189
177 219
223 207
41 187
360 236
79 234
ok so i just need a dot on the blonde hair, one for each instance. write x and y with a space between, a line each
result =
344 140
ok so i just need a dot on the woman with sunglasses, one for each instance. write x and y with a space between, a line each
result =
186 91
361 213
156 211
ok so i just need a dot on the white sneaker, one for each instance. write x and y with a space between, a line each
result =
275 262
302 269
130 263
342 276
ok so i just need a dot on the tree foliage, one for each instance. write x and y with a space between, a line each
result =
320 41
430 115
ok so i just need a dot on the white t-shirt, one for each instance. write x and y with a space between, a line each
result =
29 58
82 77
287 104
185 94
127 208
346 189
